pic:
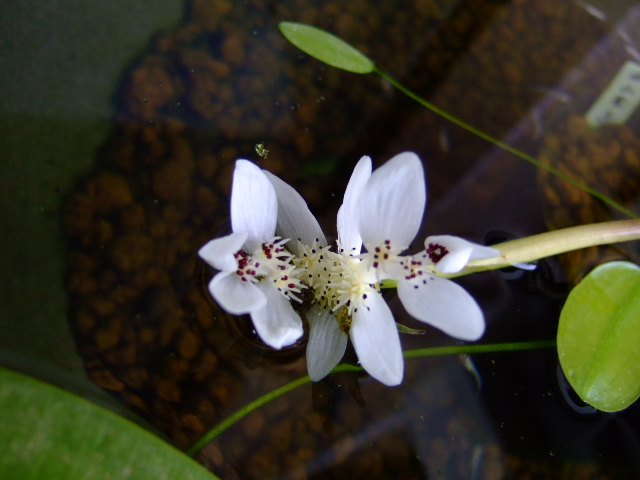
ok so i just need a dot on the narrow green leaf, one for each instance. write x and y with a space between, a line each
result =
50 433
326 47
599 337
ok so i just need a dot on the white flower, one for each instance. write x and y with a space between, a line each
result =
256 274
383 211
451 254
390 209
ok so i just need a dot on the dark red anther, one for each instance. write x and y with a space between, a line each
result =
436 252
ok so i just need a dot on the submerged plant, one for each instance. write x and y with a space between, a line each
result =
382 211
261 270
594 366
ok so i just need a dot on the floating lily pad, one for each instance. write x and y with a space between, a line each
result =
326 47
50 433
599 337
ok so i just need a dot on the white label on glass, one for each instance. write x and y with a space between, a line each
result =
620 98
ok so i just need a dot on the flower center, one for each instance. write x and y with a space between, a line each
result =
338 279
271 262
312 261
247 267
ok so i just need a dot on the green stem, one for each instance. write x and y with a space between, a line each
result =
474 349
421 352
243 412
506 146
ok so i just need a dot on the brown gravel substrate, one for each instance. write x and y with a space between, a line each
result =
606 159
207 93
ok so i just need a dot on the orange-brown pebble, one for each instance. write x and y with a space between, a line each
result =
207 166
107 280
151 89
148 335
253 424
206 408
176 367
192 422
172 182
109 192
233 49
134 400
204 365
81 283
169 329
131 251
209 14
101 305
109 336
189 344
167 390
106 379
124 355
84 322
135 377
132 217
211 453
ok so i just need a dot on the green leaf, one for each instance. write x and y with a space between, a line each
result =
50 433
326 47
599 337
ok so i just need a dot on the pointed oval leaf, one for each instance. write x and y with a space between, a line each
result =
326 47
50 433
599 337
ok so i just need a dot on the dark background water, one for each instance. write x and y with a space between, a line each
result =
205 92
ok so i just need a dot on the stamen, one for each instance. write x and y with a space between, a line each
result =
436 252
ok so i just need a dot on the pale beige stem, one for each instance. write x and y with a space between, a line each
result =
543 245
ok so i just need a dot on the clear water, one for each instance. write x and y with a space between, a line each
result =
124 221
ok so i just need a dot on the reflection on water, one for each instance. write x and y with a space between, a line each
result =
208 93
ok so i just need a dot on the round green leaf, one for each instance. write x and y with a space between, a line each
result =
599 337
326 47
50 433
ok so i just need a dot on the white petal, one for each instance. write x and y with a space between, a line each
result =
375 338
443 304
295 220
277 324
460 252
254 206
219 252
525 266
392 202
327 343
234 295
348 231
